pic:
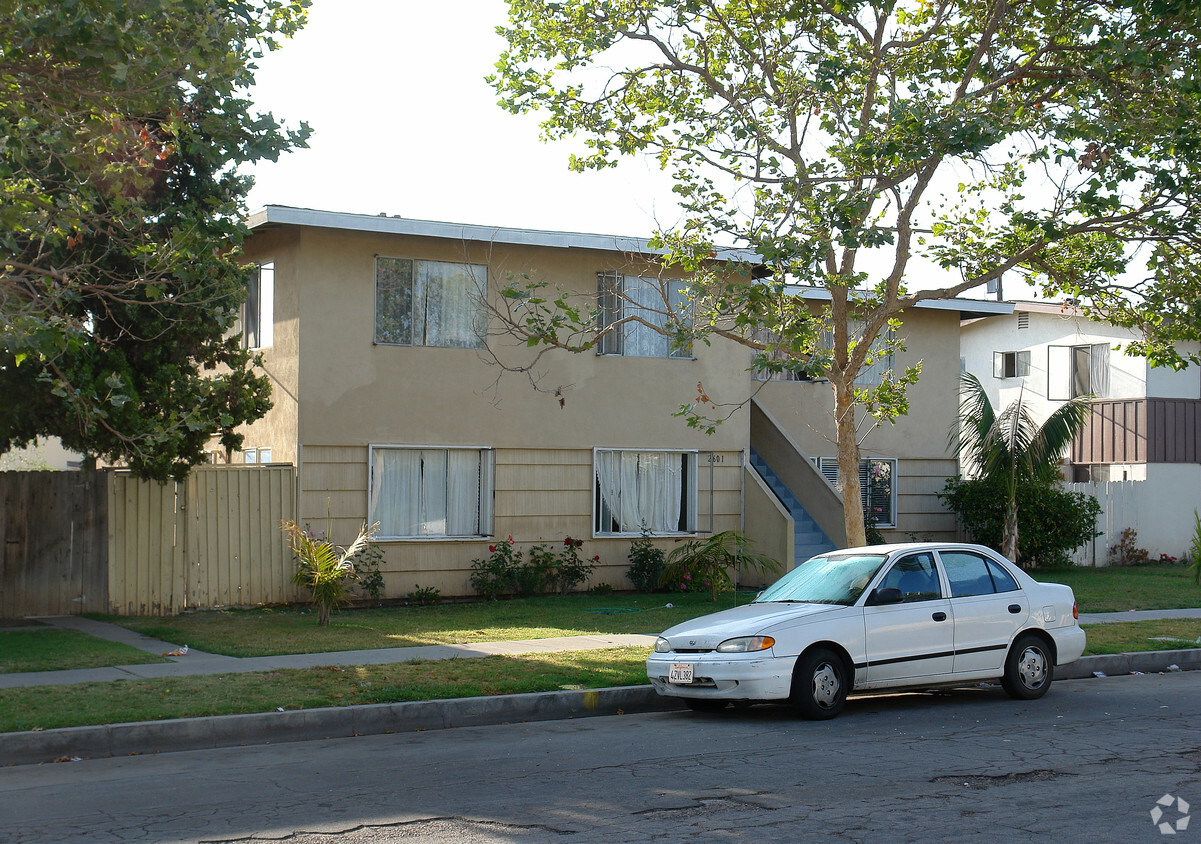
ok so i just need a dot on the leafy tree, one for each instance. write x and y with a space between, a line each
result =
884 152
122 125
1011 450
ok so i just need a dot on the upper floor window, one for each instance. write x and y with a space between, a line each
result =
877 487
1010 364
1077 371
431 492
637 491
638 313
871 374
258 311
430 303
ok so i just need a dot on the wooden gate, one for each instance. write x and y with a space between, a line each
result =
212 540
54 530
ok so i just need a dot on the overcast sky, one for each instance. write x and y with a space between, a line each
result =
405 124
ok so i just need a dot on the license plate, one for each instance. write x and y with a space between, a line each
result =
680 673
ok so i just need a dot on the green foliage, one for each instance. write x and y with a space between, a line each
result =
367 570
1054 521
704 565
1194 549
425 596
646 564
503 572
121 217
323 568
1126 551
1047 141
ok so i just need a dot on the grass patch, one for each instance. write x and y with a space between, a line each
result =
288 630
183 697
56 650
1121 588
1129 636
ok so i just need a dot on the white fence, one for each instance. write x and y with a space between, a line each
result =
1160 509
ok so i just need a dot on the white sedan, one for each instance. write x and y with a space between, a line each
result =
918 615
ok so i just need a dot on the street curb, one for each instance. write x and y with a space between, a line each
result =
29 748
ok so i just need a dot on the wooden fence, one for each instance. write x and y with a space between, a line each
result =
54 535
112 543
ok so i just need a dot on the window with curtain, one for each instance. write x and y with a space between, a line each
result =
622 296
1010 364
430 303
877 486
1077 371
870 374
431 492
637 491
258 311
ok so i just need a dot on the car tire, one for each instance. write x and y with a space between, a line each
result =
704 704
1028 668
820 684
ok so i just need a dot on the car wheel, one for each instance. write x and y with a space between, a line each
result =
820 684
704 705
1028 669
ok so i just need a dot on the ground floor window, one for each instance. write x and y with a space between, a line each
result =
431 492
877 487
636 491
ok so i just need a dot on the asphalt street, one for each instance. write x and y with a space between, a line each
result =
1089 762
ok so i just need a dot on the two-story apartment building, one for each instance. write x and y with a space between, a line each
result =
1146 423
390 403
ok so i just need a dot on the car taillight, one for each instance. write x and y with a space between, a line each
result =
1075 611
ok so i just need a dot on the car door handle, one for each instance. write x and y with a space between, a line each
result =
1015 608
939 616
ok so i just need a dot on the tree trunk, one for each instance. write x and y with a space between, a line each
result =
1009 538
848 462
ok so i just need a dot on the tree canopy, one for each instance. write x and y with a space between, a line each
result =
122 127
888 152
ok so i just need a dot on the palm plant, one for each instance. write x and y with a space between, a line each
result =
323 568
1010 448
707 562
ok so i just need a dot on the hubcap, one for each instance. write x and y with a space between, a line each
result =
1032 668
825 685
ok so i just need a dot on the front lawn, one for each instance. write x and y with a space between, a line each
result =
54 649
121 701
288 630
1121 588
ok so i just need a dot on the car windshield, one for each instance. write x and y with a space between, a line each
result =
828 579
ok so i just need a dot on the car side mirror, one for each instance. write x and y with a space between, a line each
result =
887 595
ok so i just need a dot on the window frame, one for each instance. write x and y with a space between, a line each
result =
257 314
689 492
613 304
485 518
1014 364
1063 370
828 466
479 319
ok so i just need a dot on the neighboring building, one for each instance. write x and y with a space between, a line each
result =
45 454
389 405
1146 423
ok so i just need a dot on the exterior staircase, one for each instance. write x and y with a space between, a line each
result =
810 538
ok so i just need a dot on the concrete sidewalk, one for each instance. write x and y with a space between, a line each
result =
72 743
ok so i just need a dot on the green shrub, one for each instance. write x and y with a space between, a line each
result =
425 596
572 568
323 568
1051 521
704 565
646 564
504 572
366 569
497 574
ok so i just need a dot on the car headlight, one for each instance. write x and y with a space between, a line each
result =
662 646
745 644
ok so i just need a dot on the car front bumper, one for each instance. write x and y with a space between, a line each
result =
720 677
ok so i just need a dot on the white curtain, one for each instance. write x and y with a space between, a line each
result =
644 297
449 309
395 487
640 489
1099 370
463 493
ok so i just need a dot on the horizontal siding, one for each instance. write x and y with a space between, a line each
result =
920 513
540 495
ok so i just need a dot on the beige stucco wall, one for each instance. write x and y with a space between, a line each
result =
337 393
918 441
